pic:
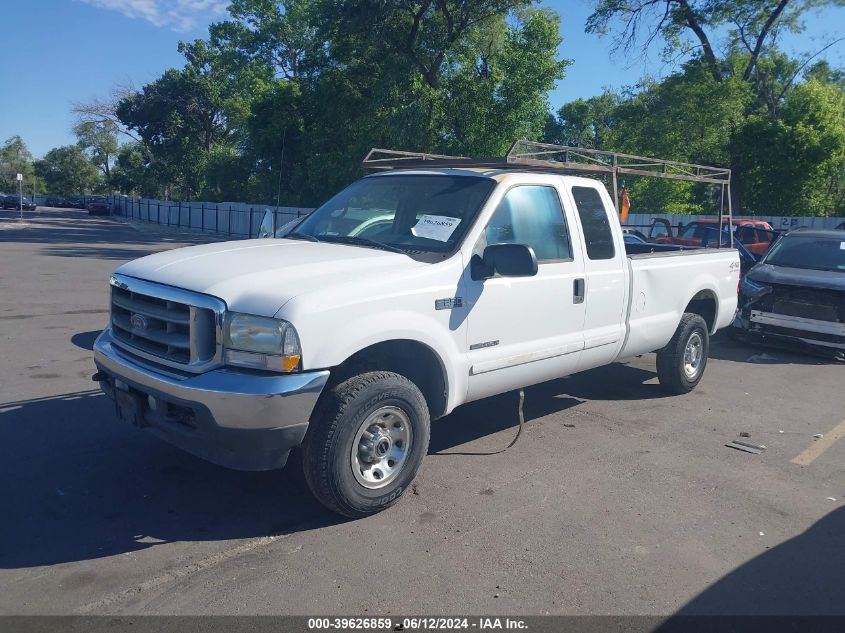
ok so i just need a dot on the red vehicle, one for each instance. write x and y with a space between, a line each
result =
755 235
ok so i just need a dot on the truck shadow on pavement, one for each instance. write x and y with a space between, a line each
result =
477 419
85 340
802 576
80 485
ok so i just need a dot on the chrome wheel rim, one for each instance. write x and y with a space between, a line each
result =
693 355
381 447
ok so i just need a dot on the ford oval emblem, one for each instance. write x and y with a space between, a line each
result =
139 322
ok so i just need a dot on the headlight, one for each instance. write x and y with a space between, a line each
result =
751 287
261 343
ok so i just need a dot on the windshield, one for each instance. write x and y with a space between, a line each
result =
410 212
819 253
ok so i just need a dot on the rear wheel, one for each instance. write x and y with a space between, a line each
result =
681 364
365 443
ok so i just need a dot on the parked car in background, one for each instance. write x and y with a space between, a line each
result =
56 201
756 235
796 294
661 228
634 233
17 202
840 226
633 238
76 202
98 205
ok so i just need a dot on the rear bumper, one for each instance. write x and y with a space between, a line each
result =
241 420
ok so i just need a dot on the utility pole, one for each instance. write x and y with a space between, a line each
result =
281 167
20 199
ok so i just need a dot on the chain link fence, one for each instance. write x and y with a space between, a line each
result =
234 219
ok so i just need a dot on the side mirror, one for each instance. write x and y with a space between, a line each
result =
507 260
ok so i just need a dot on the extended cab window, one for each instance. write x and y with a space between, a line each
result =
531 215
594 221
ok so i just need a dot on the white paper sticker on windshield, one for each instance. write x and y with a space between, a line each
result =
842 246
436 227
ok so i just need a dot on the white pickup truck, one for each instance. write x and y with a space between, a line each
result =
409 293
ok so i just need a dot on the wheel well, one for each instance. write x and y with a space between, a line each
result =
412 359
704 304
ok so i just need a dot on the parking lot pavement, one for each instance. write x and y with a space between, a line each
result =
616 499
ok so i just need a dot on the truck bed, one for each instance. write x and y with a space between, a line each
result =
665 278
659 249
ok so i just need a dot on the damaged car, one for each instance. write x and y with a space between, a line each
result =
795 295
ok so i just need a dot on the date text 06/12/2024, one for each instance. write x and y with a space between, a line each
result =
417 624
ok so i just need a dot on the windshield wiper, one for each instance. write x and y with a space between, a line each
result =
302 236
363 241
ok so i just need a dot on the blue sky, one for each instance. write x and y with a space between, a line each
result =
56 52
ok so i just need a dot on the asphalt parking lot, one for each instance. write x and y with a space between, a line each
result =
616 500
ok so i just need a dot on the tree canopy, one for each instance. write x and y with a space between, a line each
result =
67 171
282 99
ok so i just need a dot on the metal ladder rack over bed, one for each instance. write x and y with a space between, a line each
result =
543 157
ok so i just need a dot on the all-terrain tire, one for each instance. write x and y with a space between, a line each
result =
327 451
678 370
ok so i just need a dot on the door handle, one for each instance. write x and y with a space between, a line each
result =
578 290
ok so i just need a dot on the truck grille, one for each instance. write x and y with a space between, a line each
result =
809 303
151 322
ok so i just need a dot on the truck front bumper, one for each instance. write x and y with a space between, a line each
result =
237 419
825 338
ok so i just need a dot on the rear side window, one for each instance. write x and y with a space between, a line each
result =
594 221
531 215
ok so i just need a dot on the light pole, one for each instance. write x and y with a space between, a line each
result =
20 199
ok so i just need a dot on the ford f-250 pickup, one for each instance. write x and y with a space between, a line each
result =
407 294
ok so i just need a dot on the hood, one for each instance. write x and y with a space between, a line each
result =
259 276
808 278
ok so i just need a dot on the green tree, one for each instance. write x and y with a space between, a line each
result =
794 165
15 159
132 174
752 70
332 79
743 25
585 122
67 171
99 141
180 118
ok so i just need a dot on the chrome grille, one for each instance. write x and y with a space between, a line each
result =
166 325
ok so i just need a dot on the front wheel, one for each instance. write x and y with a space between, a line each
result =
681 364
365 443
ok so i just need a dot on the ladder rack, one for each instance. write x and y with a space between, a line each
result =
531 156
544 157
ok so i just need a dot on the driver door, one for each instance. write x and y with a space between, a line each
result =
525 330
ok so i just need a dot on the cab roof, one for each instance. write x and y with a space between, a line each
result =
480 172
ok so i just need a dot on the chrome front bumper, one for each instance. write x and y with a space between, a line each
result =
238 419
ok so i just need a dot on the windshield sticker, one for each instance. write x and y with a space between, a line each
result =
436 227
842 246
